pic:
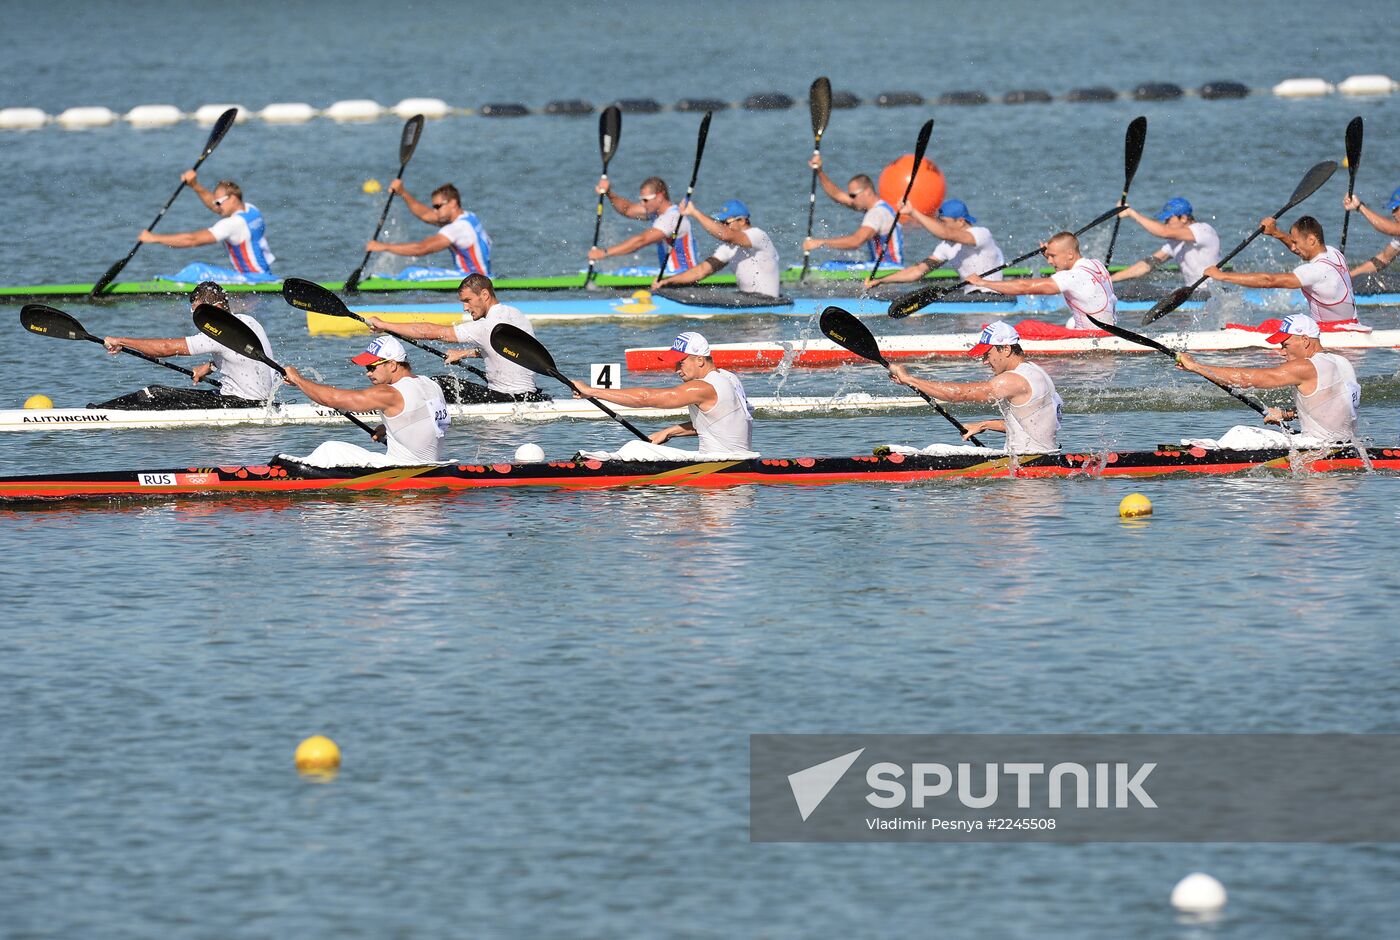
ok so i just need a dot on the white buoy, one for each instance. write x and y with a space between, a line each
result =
1303 88
22 119
428 107
287 112
529 453
1198 893
86 117
209 113
356 109
154 115
1368 85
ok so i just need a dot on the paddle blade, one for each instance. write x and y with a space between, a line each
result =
231 333
914 301
44 320
819 100
1133 143
308 295
700 144
523 349
609 132
1311 183
843 329
920 148
412 130
1354 134
1169 303
221 127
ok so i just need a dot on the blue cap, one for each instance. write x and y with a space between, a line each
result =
1394 201
956 209
1177 206
733 209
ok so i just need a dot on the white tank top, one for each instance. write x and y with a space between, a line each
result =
1088 291
1031 428
1329 413
415 433
727 427
1327 287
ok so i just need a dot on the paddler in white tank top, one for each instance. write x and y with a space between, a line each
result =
720 414
415 414
1084 282
1022 391
1326 393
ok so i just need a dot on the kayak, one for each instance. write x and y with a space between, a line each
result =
87 419
286 476
1037 338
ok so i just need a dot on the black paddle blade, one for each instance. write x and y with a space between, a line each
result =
920 148
609 133
843 329
412 130
1130 336
914 301
1133 143
1311 183
523 349
700 145
1167 304
308 295
819 100
49 321
231 333
1354 134
221 127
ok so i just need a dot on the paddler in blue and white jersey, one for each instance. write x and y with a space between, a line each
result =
967 246
654 205
240 229
1326 394
740 241
461 232
1380 223
720 414
879 230
1194 246
1021 390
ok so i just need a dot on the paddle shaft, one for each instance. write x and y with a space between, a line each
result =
555 373
161 362
1133 143
811 212
352 282
962 429
819 104
423 346
689 190
920 147
609 132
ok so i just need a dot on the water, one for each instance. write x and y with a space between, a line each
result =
544 698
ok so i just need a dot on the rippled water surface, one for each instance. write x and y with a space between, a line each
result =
544 699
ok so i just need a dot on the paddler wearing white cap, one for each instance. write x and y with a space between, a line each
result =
415 413
1326 393
720 414
1022 391
740 241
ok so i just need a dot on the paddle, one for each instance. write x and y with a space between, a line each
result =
1354 135
916 300
819 100
49 321
1133 142
609 133
221 127
232 333
846 331
412 129
689 190
920 146
522 348
1311 182
308 295
1150 343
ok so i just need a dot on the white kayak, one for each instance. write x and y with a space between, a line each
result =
85 419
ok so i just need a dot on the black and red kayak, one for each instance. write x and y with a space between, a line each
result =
284 476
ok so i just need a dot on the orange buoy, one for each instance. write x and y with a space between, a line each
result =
929 186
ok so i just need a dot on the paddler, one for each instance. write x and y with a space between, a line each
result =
240 229
720 415
1323 276
879 230
967 246
415 413
1194 246
1380 223
1326 393
740 241
460 232
1084 282
505 380
654 205
1021 390
246 382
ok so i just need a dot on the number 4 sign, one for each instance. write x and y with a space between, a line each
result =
605 375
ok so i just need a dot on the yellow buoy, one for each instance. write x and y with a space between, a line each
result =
371 187
317 754
1135 504
38 402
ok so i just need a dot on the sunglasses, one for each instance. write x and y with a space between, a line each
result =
439 205
856 193
221 200
375 365
650 197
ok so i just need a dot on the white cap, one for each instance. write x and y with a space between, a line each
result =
382 347
999 333
1300 324
687 344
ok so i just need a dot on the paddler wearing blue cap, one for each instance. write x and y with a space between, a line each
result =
1194 246
1022 391
740 241
967 246
1380 223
